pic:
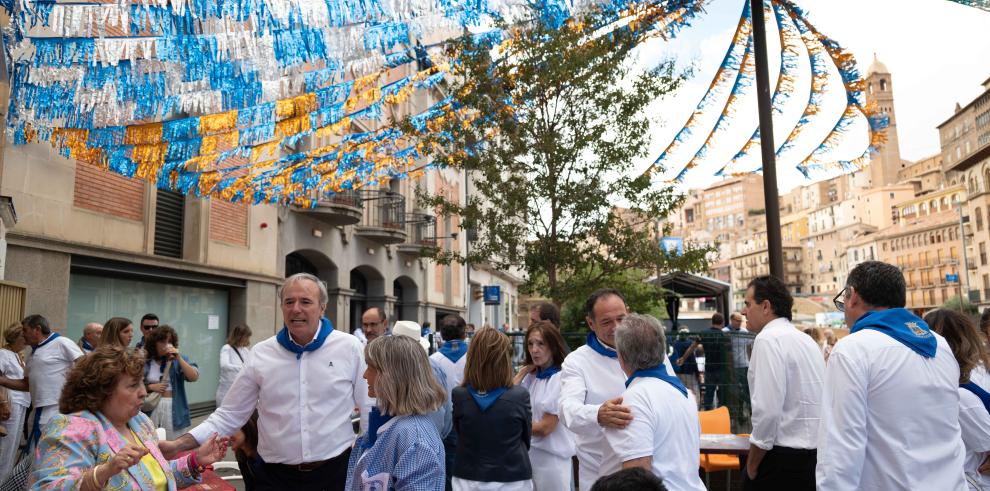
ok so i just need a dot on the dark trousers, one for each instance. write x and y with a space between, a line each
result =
714 380
331 476
786 469
449 447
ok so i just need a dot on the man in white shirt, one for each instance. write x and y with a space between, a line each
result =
450 359
90 337
785 377
591 388
304 382
52 356
891 401
664 436
374 324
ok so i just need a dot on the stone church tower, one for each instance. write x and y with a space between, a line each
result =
883 166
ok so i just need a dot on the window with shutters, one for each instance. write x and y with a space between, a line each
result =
169 220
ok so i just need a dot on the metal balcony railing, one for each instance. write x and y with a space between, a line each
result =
383 209
421 230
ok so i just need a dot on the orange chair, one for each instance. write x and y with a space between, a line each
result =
717 422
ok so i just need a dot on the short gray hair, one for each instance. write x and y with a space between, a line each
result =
641 341
324 295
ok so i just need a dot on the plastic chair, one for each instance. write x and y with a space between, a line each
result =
717 422
225 465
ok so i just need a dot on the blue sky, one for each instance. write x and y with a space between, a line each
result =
937 52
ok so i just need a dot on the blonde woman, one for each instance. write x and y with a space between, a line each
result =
402 449
233 356
493 420
12 367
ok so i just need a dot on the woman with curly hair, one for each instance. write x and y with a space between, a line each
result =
166 371
102 440
969 347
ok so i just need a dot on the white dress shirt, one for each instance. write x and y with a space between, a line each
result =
230 366
665 428
10 367
740 347
588 379
785 383
453 371
47 368
544 395
304 405
886 417
974 421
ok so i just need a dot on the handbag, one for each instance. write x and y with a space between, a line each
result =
4 404
153 398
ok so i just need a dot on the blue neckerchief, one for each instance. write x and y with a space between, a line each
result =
982 394
600 348
283 338
50 339
547 373
375 421
87 346
454 350
486 399
900 324
660 372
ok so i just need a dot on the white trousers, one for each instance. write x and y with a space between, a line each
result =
550 472
162 418
10 443
459 484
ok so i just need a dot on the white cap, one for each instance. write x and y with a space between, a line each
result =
412 330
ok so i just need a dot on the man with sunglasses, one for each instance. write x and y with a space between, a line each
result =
148 323
891 394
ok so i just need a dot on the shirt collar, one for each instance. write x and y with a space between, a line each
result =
778 323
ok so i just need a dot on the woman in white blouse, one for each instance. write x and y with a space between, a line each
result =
12 367
552 445
233 356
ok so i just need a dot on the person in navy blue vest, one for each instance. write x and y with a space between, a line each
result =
968 346
664 436
891 387
493 420
401 451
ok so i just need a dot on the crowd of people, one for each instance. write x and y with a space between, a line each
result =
899 403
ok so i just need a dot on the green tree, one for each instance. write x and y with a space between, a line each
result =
955 302
549 129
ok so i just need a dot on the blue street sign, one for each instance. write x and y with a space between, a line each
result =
952 278
672 245
493 294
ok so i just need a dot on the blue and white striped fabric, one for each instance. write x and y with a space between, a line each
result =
407 455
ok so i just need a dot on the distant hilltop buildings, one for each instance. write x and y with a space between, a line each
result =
930 217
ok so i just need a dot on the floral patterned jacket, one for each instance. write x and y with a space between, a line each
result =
73 443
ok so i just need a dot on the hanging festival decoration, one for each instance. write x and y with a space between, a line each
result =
288 100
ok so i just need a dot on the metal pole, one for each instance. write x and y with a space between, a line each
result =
771 200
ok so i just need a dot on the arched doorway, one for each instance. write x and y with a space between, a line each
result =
369 291
406 299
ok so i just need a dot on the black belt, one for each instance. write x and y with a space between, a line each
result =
312 466
794 451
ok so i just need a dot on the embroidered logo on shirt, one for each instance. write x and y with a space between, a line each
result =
917 330
331 364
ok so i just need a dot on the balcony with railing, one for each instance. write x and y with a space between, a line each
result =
421 233
343 208
384 219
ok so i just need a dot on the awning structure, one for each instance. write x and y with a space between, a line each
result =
687 285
